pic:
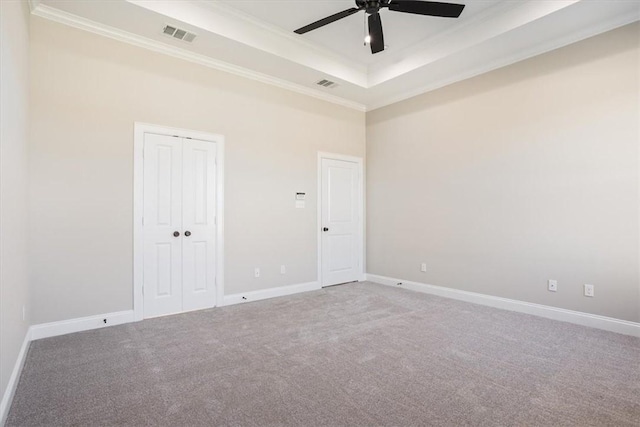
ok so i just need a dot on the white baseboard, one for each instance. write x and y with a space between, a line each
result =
9 392
577 317
53 329
46 330
270 293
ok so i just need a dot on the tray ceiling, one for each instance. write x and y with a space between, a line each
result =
255 38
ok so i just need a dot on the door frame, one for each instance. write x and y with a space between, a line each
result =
361 237
140 129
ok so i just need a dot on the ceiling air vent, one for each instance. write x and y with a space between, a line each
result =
327 83
179 34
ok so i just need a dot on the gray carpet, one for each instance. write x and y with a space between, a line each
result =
359 354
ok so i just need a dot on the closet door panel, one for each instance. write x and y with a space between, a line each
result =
199 224
163 258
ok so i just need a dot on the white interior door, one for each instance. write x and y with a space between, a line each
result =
162 218
179 226
341 236
199 224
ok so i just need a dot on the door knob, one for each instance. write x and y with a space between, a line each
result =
325 229
176 233
187 233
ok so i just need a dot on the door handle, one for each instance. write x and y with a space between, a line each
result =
325 229
187 233
176 233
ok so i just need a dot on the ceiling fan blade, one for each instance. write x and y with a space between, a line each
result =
327 20
431 8
375 32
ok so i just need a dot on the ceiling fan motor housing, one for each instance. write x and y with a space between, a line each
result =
370 6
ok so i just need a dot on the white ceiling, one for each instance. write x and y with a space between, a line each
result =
346 36
255 39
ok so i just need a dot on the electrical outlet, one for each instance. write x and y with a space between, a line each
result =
588 290
283 269
256 272
423 267
552 285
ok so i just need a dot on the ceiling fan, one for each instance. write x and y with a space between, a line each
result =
375 38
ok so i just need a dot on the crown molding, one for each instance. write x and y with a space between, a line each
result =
421 49
295 38
522 55
261 36
491 23
370 71
59 16
373 101
33 4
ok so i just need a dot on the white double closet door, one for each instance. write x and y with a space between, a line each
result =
179 225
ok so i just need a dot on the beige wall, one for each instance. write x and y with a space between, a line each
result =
498 183
14 97
87 91
524 174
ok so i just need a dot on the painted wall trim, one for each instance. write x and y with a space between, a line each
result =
53 329
602 27
234 24
56 15
75 21
63 327
577 317
33 4
271 293
138 206
10 391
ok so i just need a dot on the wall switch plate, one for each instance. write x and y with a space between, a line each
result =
283 269
423 267
588 290
552 285
256 272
